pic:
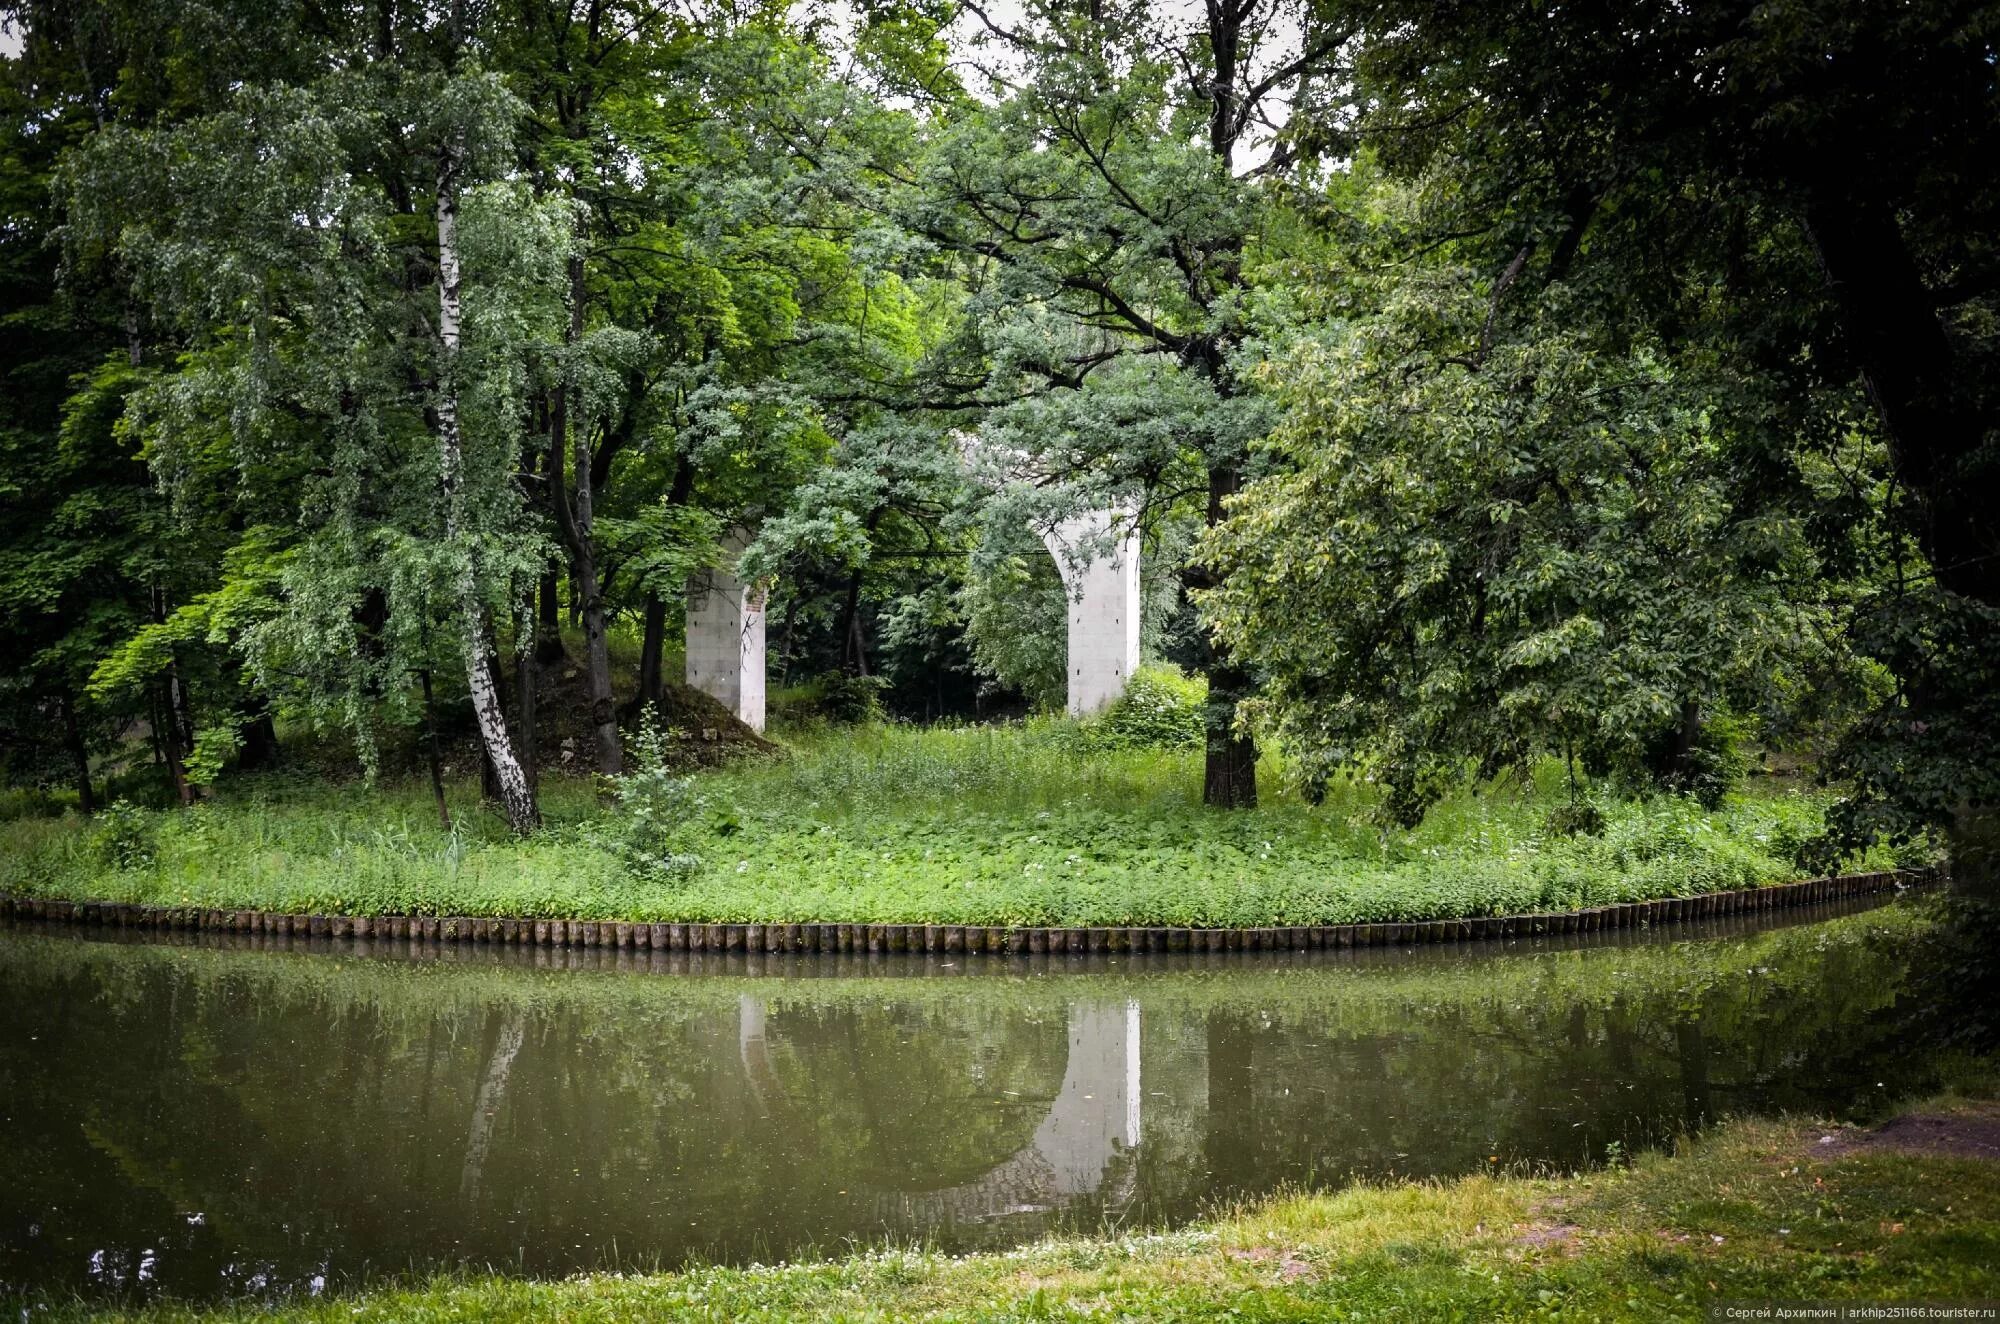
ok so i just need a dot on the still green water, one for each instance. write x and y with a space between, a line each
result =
230 1118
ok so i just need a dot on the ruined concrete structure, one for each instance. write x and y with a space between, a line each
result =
1098 555
1096 552
725 635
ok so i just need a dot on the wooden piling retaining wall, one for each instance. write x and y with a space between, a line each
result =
949 939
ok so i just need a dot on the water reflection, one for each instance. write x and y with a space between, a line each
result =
200 1120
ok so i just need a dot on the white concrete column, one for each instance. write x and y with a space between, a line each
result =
1103 587
725 635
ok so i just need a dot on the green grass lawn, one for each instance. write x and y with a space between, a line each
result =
1755 1211
978 825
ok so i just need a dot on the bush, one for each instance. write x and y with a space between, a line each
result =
1577 818
657 815
126 837
851 700
1161 709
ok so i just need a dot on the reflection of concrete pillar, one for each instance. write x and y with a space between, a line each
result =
1095 1115
1103 588
725 635
1132 1082
1088 1141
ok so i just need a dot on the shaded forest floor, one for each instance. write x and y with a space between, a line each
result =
1756 1211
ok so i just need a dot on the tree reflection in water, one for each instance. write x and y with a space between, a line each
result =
200 1121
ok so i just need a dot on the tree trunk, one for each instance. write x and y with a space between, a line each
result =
431 750
548 623
79 753
517 797
576 518
853 646
257 743
1229 773
166 726
652 652
1935 434
1229 767
179 733
527 684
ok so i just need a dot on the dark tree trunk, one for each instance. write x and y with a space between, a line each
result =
433 754
1670 759
1935 434
1229 772
548 621
652 649
177 739
257 743
853 645
79 754
786 637
527 684
183 712
1229 766
166 726
575 515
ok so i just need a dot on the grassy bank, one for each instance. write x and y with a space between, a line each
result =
1757 1210
991 825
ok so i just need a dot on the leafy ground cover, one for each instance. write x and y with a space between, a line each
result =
1756 1211
976 825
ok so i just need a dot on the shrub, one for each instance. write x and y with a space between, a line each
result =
1577 818
126 837
851 700
1160 709
657 814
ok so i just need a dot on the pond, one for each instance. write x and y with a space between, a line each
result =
251 1117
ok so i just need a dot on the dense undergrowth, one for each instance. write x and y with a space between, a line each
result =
978 825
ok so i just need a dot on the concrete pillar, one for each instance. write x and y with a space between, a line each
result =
1103 587
725 635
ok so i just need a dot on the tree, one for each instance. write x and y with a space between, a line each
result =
1561 542
92 555
1112 202
358 297
1802 189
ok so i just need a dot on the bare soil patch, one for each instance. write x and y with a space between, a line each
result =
1972 1133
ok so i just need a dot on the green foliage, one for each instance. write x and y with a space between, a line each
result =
125 837
1161 708
655 814
850 700
1016 614
974 825
1576 819
1784 195
1467 566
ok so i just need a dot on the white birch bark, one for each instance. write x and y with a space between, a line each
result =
517 798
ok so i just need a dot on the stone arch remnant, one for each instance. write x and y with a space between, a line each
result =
1087 1144
1097 553
725 634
